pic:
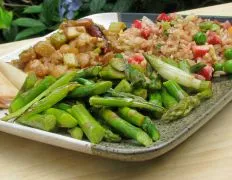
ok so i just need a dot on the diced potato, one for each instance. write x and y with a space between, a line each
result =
71 32
70 60
44 49
58 70
38 67
68 49
56 58
27 55
83 59
58 39
81 29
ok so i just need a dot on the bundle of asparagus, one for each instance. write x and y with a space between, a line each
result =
108 103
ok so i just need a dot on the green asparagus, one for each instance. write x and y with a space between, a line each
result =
63 118
76 133
167 100
125 128
184 66
84 81
136 77
155 98
64 107
140 92
88 72
45 122
114 93
65 79
108 72
123 86
170 72
118 64
185 106
123 102
24 98
170 61
175 90
136 118
92 89
92 129
29 82
197 67
155 83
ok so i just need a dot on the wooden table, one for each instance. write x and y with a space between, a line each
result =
205 155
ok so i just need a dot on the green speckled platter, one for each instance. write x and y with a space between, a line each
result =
172 134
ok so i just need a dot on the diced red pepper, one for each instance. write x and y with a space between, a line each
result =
207 72
200 51
136 59
164 17
213 38
145 32
137 24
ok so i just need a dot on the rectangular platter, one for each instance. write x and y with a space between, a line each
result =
172 134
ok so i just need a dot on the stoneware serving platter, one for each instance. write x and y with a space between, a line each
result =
172 134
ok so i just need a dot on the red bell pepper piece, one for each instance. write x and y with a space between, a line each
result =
213 38
136 59
207 72
145 32
137 24
199 51
164 17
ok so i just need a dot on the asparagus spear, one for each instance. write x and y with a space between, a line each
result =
29 82
63 118
170 61
124 102
136 118
92 89
126 128
156 99
123 86
140 92
61 81
136 77
118 64
76 133
114 93
64 107
184 65
109 136
88 72
170 72
26 97
197 67
50 100
167 100
92 129
45 122
155 83
108 72
185 106
84 81
175 90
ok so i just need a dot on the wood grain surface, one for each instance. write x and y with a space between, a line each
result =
205 155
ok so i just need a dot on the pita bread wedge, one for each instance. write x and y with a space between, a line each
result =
14 75
7 89
5 102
